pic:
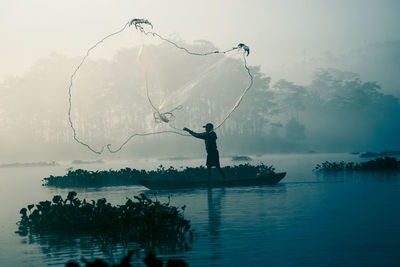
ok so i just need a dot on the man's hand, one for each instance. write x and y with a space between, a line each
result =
186 129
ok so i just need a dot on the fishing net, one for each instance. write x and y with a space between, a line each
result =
152 86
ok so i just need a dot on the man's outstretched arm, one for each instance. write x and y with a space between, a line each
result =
197 135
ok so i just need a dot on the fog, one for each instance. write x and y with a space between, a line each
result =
325 77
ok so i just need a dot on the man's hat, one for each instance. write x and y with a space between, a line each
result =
209 125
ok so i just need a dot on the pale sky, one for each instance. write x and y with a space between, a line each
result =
278 32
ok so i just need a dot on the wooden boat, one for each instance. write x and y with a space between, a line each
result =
201 182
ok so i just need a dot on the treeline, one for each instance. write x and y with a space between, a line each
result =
337 111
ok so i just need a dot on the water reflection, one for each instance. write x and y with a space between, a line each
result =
359 176
58 249
61 248
214 210
214 220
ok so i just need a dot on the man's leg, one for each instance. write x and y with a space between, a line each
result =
209 171
221 172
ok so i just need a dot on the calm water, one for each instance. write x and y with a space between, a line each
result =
311 220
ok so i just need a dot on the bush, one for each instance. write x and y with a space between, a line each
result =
141 220
378 164
83 178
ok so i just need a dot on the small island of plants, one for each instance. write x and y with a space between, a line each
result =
389 153
141 220
378 164
83 178
241 158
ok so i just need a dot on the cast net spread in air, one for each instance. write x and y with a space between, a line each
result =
149 89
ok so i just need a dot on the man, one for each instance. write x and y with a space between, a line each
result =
210 139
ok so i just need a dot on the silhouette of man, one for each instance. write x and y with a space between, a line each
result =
210 139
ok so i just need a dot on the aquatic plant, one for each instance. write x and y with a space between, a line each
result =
378 164
84 178
237 171
141 220
380 154
127 176
247 170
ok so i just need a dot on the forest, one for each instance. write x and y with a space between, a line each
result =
336 111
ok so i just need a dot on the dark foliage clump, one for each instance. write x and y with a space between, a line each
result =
378 164
248 171
142 220
83 178
127 176
380 154
237 171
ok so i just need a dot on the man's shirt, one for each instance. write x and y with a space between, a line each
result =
210 139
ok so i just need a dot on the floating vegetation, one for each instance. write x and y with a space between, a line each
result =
241 158
78 161
83 178
143 221
247 170
381 154
237 171
378 164
29 164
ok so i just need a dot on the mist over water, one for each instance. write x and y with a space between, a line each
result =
336 112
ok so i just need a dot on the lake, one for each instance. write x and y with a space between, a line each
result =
307 219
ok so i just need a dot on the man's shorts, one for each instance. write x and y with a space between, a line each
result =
213 158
